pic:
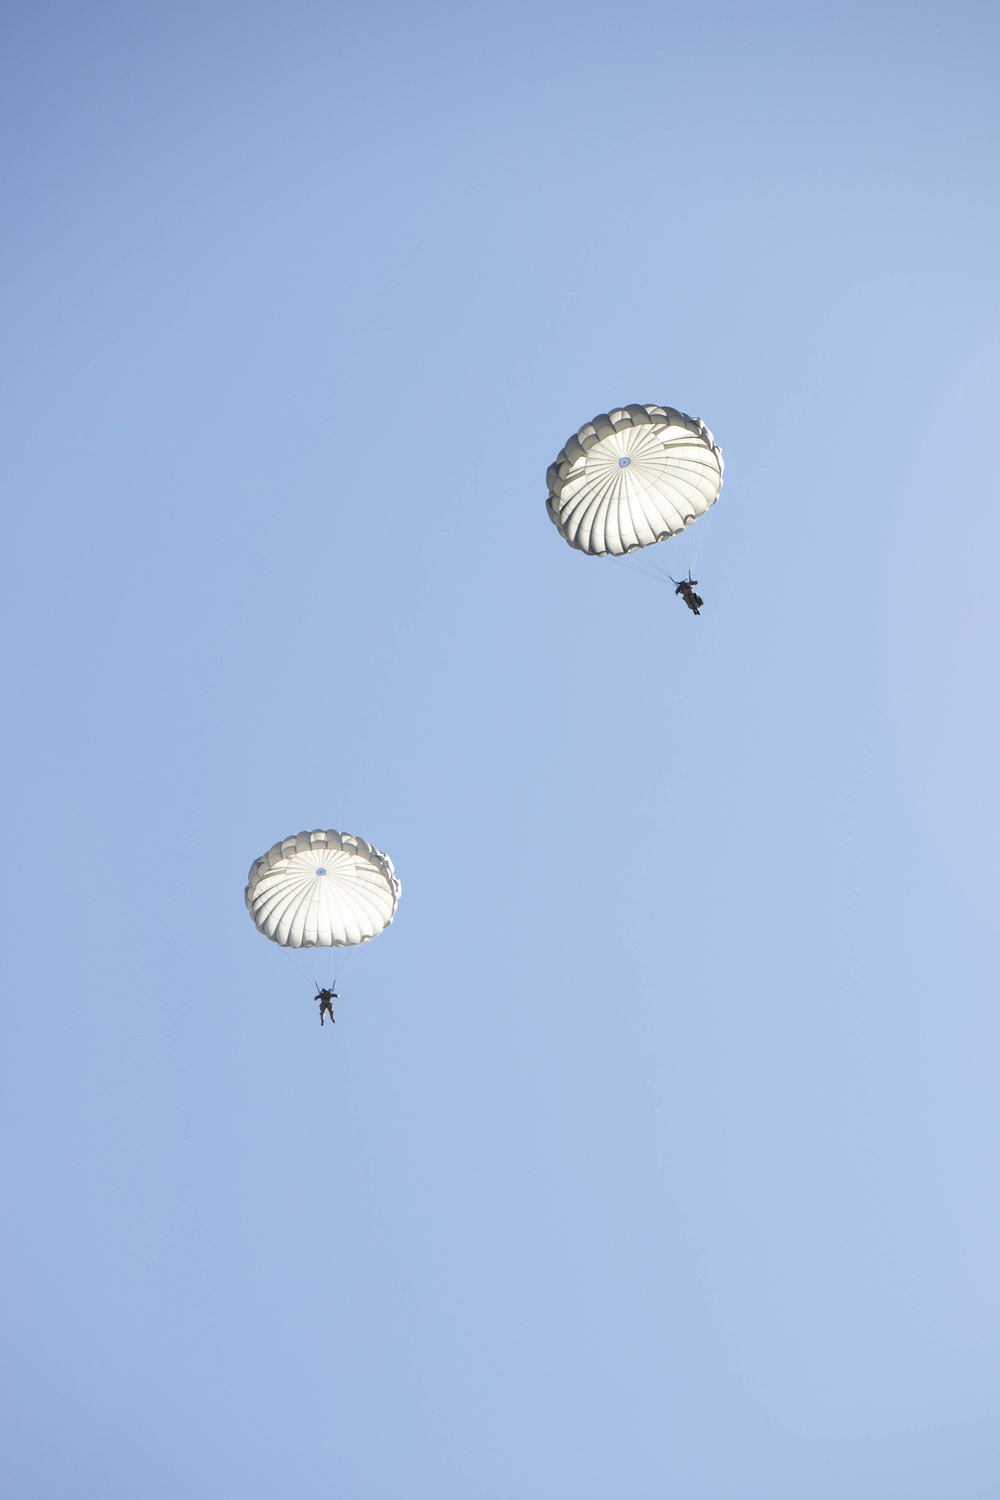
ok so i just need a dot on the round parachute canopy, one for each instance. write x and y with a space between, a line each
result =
322 890
632 477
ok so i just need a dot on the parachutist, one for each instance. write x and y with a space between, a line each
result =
686 590
326 998
322 889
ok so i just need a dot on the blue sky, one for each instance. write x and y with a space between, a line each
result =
655 1149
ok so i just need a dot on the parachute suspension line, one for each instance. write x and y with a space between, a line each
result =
347 962
633 568
317 972
328 966
654 572
310 963
302 967
698 541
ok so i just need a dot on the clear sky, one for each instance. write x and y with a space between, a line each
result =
655 1150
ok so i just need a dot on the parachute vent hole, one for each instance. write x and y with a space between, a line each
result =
321 871
623 463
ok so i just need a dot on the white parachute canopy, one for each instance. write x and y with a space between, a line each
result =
632 477
322 890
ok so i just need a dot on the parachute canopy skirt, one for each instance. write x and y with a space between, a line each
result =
632 477
322 890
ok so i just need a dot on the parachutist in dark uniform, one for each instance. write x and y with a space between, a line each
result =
326 998
686 590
